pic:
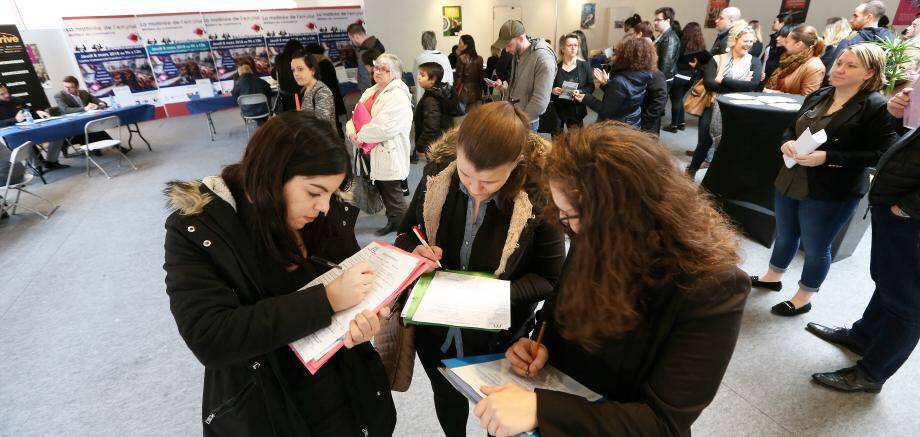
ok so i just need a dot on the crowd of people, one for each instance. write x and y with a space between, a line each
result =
497 197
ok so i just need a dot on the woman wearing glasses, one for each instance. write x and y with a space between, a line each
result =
816 197
479 206
390 106
650 289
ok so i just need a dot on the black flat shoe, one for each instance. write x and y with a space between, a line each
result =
672 129
848 380
838 336
775 286
787 309
688 153
388 229
681 126
52 165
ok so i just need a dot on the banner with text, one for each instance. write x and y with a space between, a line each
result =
282 25
180 56
16 69
236 38
332 25
112 59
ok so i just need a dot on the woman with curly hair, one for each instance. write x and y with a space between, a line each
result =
650 299
633 69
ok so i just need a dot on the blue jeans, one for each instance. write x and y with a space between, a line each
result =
814 223
890 326
535 125
703 140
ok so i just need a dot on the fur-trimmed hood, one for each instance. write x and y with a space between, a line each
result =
187 198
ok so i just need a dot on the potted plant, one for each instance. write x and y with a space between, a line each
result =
899 64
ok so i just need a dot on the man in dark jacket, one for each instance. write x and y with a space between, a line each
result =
12 112
724 22
668 43
363 43
249 83
889 329
865 24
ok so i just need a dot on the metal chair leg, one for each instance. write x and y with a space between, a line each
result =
126 159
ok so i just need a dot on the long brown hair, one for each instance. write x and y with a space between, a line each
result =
633 53
643 225
809 36
294 143
495 134
692 38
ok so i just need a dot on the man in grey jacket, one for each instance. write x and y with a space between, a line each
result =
532 71
73 100
363 43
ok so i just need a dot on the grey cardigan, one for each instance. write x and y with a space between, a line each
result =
532 76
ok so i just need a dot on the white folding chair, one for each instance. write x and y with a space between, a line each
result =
19 161
253 100
101 125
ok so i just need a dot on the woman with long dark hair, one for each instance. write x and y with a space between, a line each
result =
693 57
650 289
468 78
479 203
287 86
239 248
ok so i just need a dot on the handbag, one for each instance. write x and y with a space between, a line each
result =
699 98
366 196
396 345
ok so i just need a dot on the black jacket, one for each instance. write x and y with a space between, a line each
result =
897 181
431 117
240 330
757 50
327 75
623 97
711 70
252 84
720 44
702 57
8 111
284 75
857 136
656 98
656 379
569 110
773 54
668 48
533 264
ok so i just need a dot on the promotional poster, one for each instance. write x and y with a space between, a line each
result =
332 25
282 25
110 54
180 54
236 38
16 68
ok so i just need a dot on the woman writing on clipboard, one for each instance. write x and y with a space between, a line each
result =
238 249
649 303
479 205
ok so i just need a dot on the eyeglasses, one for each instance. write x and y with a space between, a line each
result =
381 68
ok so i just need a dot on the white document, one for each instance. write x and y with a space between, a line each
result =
806 144
123 95
391 266
748 102
681 76
568 88
739 96
205 89
786 106
495 373
466 301
776 99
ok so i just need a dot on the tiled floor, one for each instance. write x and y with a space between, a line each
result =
89 347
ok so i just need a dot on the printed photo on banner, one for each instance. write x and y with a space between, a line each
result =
236 38
282 25
712 12
798 10
110 53
180 54
588 15
40 70
907 12
332 25
452 19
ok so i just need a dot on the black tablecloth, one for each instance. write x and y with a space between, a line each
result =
746 162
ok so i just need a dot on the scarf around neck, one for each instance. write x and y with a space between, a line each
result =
788 64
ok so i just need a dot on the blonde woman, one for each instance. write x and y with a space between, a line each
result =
800 71
837 30
816 197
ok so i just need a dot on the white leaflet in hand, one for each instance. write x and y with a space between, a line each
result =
466 301
806 144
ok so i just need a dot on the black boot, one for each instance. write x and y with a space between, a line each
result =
388 229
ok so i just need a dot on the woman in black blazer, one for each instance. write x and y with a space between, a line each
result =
571 69
816 197
479 205
238 250
650 290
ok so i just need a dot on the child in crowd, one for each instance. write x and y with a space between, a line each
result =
432 117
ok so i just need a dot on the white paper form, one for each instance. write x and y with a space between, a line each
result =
739 96
495 373
806 144
466 301
776 99
391 268
786 106
748 102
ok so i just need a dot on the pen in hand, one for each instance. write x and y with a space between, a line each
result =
418 234
325 262
535 347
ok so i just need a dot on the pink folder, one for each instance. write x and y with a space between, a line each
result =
363 117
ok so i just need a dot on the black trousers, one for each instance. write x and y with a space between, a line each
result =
890 326
679 88
451 407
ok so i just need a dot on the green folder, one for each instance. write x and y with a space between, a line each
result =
418 294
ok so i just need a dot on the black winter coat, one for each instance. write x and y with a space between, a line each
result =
897 181
252 84
623 97
656 99
240 330
431 118
857 136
